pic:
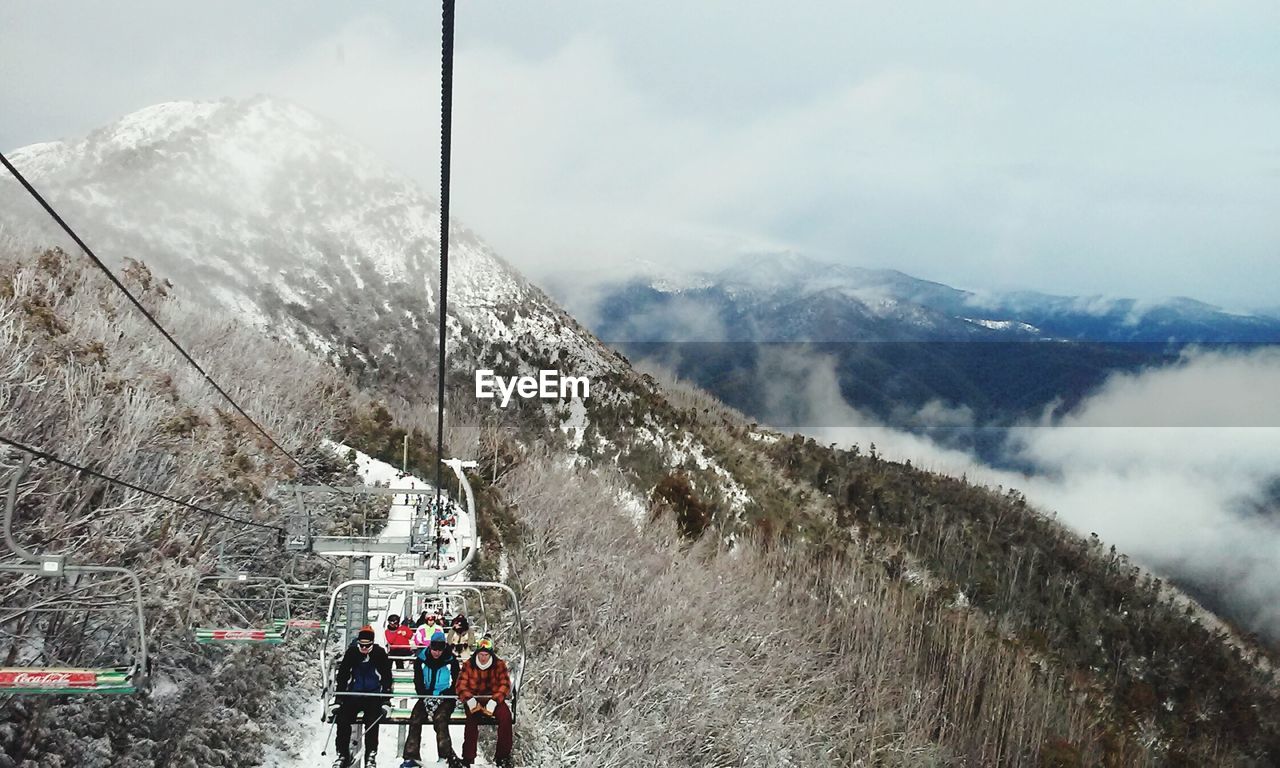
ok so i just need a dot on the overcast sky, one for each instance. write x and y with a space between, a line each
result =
1120 148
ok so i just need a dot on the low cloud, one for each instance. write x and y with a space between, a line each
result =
1177 467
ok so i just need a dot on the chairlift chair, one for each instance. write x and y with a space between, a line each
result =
403 688
257 607
306 606
298 526
101 649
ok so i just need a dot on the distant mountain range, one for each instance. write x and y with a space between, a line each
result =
787 297
900 346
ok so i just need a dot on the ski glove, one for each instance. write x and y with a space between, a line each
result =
386 711
472 704
491 707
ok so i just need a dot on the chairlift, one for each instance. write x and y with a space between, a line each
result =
306 607
239 608
307 601
429 585
449 605
65 628
422 527
301 534
298 526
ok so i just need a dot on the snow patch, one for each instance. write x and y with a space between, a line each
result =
575 426
1002 325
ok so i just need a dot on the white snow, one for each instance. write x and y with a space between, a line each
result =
1002 325
575 426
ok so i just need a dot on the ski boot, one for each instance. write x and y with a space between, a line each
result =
343 762
411 764
370 760
505 762
453 761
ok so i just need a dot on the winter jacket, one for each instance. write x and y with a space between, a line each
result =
400 639
359 674
494 682
462 643
435 677
423 634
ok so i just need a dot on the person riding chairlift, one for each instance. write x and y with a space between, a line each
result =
399 640
461 637
365 669
422 634
485 676
435 673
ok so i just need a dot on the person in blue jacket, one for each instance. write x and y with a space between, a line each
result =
365 668
435 673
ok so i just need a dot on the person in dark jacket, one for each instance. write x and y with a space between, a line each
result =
435 673
365 669
485 676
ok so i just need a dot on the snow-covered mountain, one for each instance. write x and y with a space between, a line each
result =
790 297
897 343
263 208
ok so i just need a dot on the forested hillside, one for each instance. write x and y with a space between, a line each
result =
698 589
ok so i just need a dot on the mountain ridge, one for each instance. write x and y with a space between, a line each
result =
259 207
749 288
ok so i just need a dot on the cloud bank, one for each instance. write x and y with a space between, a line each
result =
1178 467
992 147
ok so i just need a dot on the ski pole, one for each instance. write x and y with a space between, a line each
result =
328 736
376 720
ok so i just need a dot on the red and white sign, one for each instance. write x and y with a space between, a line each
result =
239 634
49 679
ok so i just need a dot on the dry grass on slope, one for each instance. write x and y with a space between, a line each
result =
647 652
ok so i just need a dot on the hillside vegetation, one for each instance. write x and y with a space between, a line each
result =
1163 686
654 651
82 376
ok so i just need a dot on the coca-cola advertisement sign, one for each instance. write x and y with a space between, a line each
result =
239 634
47 679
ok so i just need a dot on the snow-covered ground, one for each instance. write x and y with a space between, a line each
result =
303 743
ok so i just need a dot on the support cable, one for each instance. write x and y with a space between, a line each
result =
446 145
133 487
94 257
